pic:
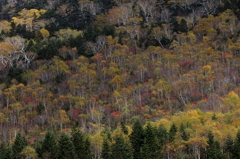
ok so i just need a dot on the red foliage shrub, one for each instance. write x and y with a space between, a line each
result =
116 114
186 64
108 108
195 95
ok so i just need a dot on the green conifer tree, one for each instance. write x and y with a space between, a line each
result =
38 147
183 132
162 135
213 150
172 133
236 146
124 128
87 149
49 146
137 139
228 147
106 152
8 153
2 150
78 142
66 148
151 149
19 144
121 150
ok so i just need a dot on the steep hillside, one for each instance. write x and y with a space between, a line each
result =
102 65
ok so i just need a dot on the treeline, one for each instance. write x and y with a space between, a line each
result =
73 146
143 142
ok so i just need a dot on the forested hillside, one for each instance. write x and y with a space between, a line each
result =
124 79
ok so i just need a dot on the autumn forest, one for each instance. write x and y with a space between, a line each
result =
120 79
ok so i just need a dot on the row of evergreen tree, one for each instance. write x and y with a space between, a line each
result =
64 147
151 143
142 143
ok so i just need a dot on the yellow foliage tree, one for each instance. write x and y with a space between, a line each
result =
64 34
27 17
231 102
45 33
5 26
29 153
12 49
63 118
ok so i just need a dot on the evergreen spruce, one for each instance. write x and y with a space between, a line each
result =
78 142
236 146
213 149
172 133
66 148
48 51
87 149
2 150
8 153
150 149
91 33
38 147
214 117
137 139
121 150
183 132
19 144
228 147
124 128
162 135
182 27
109 136
49 146
106 152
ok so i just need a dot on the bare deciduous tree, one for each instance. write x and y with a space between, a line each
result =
148 8
166 15
158 34
120 15
101 42
13 50
210 6
89 6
